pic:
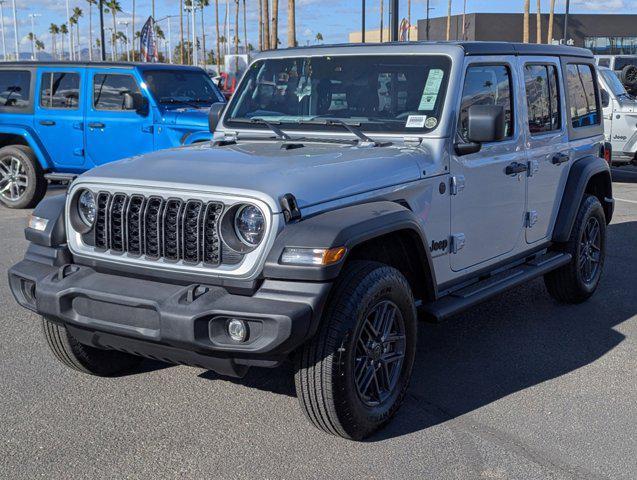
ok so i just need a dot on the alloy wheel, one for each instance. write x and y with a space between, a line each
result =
590 250
380 351
13 178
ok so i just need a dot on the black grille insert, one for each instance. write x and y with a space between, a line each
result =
158 228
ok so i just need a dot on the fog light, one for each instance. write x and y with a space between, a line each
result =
38 223
238 330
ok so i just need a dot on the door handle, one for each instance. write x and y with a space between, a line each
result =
515 168
559 158
47 123
96 125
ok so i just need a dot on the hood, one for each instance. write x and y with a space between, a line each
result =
314 174
187 116
626 105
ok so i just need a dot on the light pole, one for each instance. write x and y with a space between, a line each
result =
191 10
15 31
363 22
4 45
126 24
34 55
568 4
170 37
68 38
102 39
113 40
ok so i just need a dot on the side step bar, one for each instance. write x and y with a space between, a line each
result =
475 293
60 177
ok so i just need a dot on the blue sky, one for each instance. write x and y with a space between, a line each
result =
332 18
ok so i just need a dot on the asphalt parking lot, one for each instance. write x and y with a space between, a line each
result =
519 388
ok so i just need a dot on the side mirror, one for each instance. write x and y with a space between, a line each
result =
214 115
129 101
141 104
605 98
485 123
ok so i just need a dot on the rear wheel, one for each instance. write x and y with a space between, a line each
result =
22 182
84 358
352 377
578 280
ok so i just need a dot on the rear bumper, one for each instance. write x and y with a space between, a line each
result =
176 323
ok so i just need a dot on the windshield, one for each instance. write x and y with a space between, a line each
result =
378 93
615 86
182 87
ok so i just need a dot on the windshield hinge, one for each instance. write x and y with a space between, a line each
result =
412 141
290 208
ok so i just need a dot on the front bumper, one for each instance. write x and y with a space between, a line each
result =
174 323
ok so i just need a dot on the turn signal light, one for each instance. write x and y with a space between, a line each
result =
312 256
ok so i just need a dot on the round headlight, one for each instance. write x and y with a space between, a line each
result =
249 223
86 207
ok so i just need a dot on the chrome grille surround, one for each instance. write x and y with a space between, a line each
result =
162 229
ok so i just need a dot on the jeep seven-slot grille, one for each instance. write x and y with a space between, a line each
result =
172 229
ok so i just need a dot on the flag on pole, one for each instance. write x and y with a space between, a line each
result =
148 42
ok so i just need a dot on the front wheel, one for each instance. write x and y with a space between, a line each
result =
352 377
578 280
22 182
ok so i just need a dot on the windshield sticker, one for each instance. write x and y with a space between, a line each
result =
416 121
432 87
431 122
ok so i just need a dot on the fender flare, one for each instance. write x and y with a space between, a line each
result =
578 178
348 227
54 234
32 141
196 137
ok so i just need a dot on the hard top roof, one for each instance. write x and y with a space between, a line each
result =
64 63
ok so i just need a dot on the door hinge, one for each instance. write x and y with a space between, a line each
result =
457 242
78 125
533 167
531 218
78 152
148 129
456 184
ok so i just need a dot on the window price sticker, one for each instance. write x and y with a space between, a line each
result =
431 90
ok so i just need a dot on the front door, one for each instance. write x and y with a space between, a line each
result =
115 128
59 115
548 147
487 204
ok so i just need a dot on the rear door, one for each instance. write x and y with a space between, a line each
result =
59 116
114 130
487 208
547 143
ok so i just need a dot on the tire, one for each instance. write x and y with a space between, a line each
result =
83 358
22 181
577 281
326 367
628 76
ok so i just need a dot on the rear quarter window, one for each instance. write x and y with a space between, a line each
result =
582 94
15 90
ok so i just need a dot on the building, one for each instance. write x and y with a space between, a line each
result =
373 35
603 34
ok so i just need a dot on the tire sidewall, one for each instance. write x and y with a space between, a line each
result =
592 208
391 286
33 173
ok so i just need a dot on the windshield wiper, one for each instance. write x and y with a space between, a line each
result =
281 135
174 101
348 126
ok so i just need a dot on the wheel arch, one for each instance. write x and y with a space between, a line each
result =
589 175
383 231
15 135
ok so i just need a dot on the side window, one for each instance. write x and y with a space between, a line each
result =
15 89
109 91
60 90
582 94
604 62
486 85
542 98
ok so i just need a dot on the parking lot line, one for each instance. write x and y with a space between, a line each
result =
624 200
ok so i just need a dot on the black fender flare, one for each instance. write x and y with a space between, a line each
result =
344 227
579 177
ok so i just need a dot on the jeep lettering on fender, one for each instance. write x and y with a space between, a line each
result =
302 231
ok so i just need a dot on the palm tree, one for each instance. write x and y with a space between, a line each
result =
203 4
90 27
449 20
160 36
218 36
113 7
31 38
77 14
53 30
133 22
72 23
260 5
382 16
525 30
319 37
538 24
291 24
181 31
245 27
189 10
121 37
236 35
63 31
274 31
266 24
549 37
39 45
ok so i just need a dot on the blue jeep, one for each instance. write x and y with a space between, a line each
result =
60 119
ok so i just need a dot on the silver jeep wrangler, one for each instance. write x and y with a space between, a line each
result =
346 188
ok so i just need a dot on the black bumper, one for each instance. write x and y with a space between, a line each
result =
174 323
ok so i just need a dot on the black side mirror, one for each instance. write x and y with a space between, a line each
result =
141 104
485 123
605 98
214 115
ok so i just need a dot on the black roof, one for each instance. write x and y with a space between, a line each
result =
474 48
49 63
